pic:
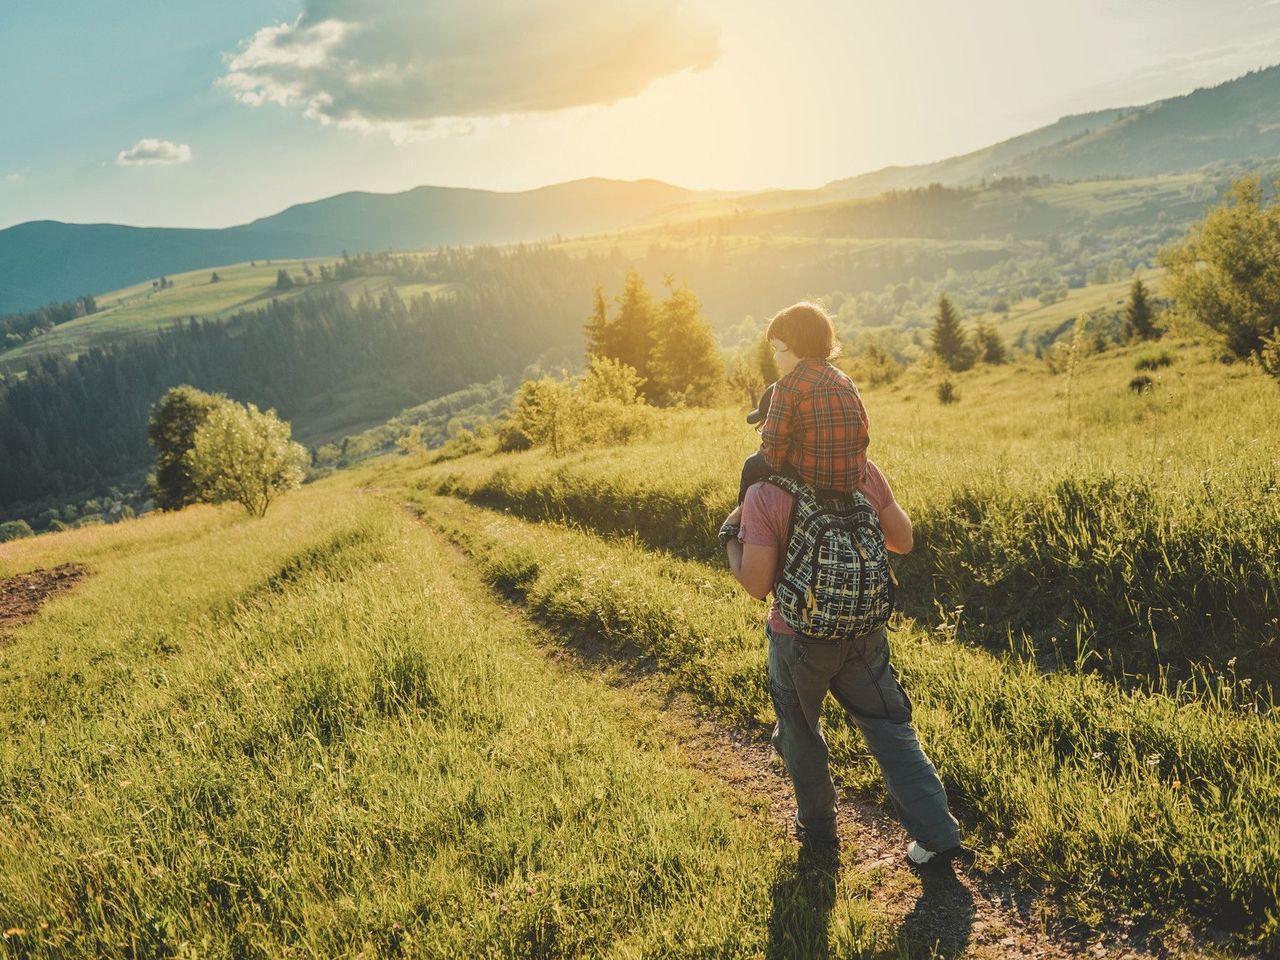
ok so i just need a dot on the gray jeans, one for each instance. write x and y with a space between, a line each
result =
861 678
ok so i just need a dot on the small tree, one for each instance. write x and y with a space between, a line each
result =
685 365
214 278
1226 273
245 455
1139 317
990 346
171 430
283 280
948 339
631 332
598 328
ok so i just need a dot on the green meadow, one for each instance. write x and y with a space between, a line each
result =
318 735
141 311
335 731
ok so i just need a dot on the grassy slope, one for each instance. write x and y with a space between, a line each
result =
314 735
1134 798
140 311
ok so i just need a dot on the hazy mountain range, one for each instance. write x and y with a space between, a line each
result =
42 261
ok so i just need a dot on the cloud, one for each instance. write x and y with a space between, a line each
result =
14 178
409 69
149 152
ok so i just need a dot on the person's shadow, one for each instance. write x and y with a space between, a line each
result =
941 922
803 894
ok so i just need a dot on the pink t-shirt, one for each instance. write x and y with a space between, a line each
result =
766 519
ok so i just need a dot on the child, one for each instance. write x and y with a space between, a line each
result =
814 423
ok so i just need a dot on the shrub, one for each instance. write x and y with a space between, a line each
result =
1142 384
1163 359
947 392
240 453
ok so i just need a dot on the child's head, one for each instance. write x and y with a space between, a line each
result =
806 331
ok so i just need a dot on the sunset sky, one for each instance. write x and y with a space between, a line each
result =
162 114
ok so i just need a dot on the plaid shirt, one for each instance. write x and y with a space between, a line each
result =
817 423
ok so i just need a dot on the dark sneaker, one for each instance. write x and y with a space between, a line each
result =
824 839
921 857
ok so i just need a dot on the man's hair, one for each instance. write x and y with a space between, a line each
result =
807 329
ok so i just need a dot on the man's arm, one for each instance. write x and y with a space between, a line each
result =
898 534
754 566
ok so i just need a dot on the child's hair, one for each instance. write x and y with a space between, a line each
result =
807 329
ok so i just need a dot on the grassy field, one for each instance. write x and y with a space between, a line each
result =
1090 629
140 311
317 735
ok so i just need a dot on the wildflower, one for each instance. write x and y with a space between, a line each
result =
1152 759
14 932
1177 784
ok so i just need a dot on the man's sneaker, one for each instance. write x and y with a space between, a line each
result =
920 856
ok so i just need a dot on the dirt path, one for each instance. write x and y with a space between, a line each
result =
941 912
22 595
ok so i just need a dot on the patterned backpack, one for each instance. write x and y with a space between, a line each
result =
836 581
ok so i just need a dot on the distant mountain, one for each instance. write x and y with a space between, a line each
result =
1236 120
46 260
43 261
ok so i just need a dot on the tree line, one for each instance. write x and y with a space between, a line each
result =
68 429
18 328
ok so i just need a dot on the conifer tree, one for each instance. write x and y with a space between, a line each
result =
633 327
686 364
948 339
598 328
1139 317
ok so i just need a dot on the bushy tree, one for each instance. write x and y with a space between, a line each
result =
948 339
243 454
1226 273
14 530
172 430
1139 316
990 346
283 280
685 364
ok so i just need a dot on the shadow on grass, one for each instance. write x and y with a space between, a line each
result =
803 894
941 922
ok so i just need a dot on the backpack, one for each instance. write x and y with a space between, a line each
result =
836 582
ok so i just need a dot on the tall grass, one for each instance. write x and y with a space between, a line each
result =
312 735
1121 801
1139 536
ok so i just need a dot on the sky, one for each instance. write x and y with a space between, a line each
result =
206 115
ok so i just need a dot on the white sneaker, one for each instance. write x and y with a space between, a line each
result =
920 856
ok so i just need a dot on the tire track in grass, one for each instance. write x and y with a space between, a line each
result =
943 912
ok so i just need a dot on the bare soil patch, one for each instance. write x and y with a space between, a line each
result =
22 595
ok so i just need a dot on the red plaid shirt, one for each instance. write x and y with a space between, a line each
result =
817 424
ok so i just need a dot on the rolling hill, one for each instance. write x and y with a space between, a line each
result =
45 260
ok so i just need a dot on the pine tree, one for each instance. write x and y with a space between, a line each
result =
633 327
283 280
1139 317
598 328
948 339
685 365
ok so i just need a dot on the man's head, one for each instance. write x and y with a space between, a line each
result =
800 332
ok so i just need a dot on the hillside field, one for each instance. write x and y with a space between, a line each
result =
337 730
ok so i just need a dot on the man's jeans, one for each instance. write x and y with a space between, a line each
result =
860 677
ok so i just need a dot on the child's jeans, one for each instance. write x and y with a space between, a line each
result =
755 469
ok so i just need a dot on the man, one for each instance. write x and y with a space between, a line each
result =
858 673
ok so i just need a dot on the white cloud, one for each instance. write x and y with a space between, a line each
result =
150 152
413 69
14 178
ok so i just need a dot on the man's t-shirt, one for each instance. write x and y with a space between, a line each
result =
766 519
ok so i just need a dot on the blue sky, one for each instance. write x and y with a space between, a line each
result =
244 108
